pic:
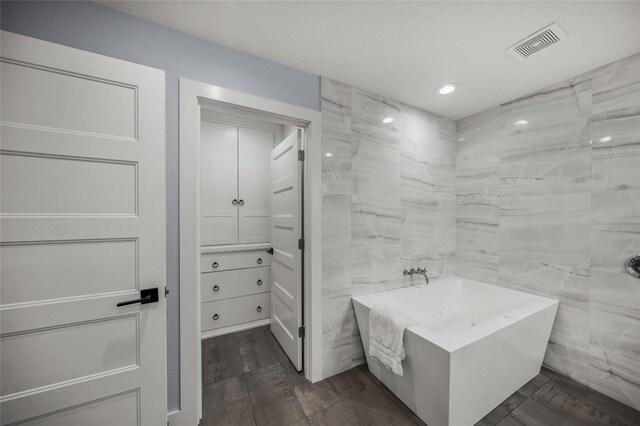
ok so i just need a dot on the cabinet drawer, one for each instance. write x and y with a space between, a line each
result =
225 261
235 311
235 283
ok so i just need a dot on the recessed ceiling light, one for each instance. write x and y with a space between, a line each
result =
448 88
605 139
462 139
521 123
388 120
328 154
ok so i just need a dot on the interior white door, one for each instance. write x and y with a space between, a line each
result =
254 147
83 228
218 184
286 230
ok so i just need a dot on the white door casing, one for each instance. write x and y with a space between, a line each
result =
83 228
254 148
218 184
286 230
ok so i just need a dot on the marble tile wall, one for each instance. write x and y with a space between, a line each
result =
553 208
389 203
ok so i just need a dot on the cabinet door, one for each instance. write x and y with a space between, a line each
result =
254 184
218 184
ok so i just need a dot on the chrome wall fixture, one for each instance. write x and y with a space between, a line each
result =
633 266
417 271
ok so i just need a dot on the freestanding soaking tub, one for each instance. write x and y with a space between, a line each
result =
475 345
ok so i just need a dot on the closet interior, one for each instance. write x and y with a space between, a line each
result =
250 226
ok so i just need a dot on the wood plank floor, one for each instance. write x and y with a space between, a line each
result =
248 380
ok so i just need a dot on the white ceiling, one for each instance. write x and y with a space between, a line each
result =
405 50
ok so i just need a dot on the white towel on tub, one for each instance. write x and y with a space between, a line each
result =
386 333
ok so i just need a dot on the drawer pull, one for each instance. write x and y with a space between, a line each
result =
259 309
259 261
214 265
215 317
259 282
216 288
234 202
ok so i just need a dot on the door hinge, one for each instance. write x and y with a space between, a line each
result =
301 155
270 250
301 244
301 332
166 292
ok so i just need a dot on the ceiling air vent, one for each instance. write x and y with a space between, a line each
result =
548 36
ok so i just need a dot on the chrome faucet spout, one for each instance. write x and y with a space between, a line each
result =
417 271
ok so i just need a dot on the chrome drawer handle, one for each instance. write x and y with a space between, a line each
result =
259 282
259 309
234 202
215 317
216 288
259 261
241 202
214 265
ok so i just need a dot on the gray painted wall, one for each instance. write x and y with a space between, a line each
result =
98 29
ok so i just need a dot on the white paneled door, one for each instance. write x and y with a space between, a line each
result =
286 232
82 230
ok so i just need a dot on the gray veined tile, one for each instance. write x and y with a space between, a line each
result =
367 112
335 107
544 249
615 129
342 348
419 126
616 88
615 153
614 314
614 352
552 153
477 196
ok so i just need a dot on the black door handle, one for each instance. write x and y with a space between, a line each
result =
148 295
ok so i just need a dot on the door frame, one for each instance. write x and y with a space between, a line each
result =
192 93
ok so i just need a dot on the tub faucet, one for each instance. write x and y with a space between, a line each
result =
418 271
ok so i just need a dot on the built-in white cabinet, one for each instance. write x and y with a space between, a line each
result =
234 184
235 288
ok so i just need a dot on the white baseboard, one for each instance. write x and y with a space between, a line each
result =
173 418
235 328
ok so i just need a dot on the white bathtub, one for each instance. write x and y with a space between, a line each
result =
475 345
